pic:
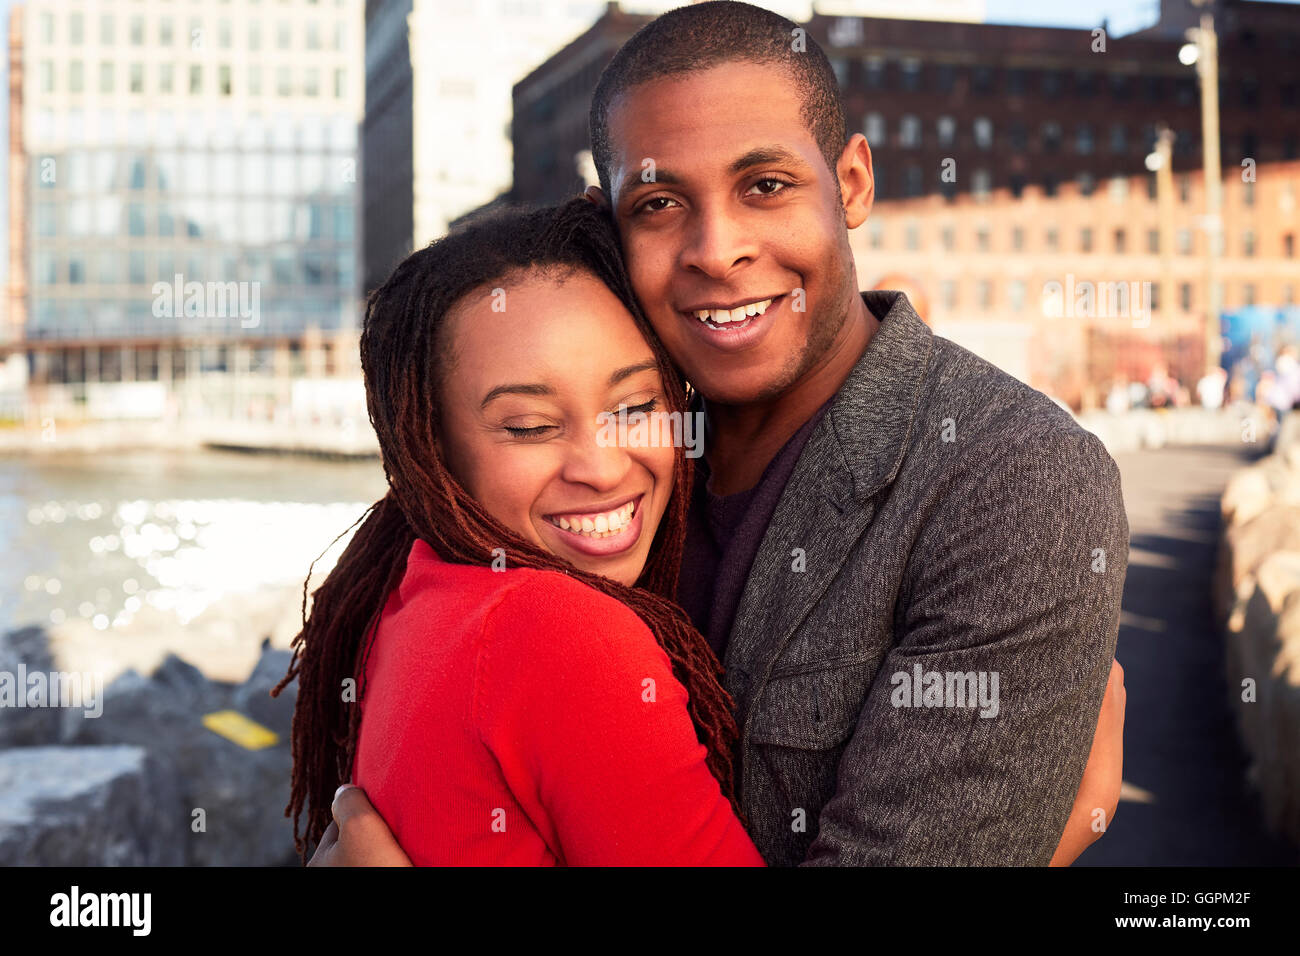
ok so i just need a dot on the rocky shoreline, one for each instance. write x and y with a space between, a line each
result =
145 782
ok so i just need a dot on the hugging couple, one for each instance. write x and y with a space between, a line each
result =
874 624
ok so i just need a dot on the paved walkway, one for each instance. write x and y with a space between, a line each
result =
1185 801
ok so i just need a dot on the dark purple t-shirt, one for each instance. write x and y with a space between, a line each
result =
723 533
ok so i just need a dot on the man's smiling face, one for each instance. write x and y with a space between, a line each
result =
743 215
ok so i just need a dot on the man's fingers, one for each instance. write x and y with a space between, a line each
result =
327 841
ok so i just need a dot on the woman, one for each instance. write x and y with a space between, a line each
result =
529 694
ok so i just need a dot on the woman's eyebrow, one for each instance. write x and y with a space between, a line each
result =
529 389
627 370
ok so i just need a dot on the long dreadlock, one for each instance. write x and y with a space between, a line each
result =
403 357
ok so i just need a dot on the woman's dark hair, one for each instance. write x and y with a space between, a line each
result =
403 357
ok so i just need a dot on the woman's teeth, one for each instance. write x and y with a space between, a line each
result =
599 525
738 314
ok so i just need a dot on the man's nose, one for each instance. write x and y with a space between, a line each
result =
718 243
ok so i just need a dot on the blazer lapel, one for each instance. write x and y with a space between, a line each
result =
855 450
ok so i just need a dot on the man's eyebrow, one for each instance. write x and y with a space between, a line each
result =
633 180
627 370
765 156
528 389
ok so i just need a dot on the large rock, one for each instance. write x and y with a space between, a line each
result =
26 651
1264 657
241 793
87 806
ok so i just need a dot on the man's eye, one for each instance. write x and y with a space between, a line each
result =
769 187
650 204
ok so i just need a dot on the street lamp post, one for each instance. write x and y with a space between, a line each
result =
1203 50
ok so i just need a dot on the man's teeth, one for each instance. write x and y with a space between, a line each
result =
738 314
598 526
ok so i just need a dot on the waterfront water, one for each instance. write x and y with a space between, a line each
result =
98 538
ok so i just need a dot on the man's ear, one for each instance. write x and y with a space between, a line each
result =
857 181
596 196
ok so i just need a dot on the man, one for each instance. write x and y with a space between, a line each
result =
910 563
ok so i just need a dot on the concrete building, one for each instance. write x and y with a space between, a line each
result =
1007 105
183 183
1072 291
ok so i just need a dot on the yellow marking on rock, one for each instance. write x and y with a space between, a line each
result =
235 727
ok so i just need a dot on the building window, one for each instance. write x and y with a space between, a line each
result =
945 77
874 129
1017 186
982 238
254 81
1118 189
1049 185
223 80
196 78
909 131
223 34
1185 296
1248 194
1121 241
875 72
1153 187
136 31
1085 83
1184 242
911 67
949 238
165 34
283 34
1184 188
1083 139
1052 83
985 293
983 132
1288 294
912 237
981 184
1051 137
1016 81
1053 239
913 181
1087 184
1016 295
76 28
283 83
1017 137
1154 89
1250 93
876 233
1248 294
255 35
76 77
1288 245
106 29
1153 241
948 294
164 77
106 77
1118 138
137 77
1017 238
947 130
1085 239
47 76
982 80
1155 296
1248 243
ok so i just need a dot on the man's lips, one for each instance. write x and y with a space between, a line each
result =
722 313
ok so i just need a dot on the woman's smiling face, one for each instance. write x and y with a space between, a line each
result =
527 377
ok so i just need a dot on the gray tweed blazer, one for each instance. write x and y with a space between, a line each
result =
920 654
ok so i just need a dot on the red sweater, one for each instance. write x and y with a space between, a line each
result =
521 717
